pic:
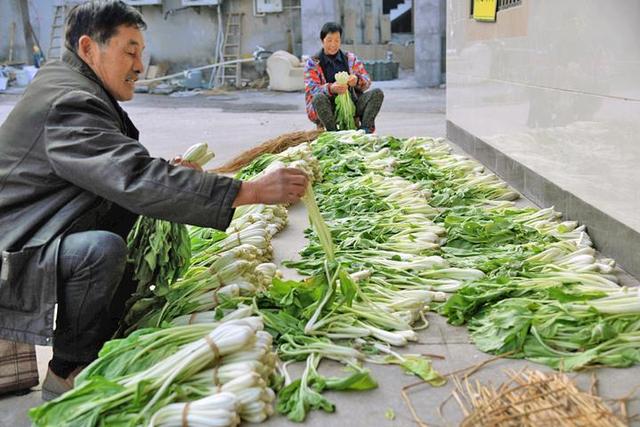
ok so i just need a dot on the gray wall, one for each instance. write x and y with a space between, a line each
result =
429 30
185 37
314 14
360 21
429 27
41 17
553 87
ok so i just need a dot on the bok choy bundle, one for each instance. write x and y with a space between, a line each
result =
345 108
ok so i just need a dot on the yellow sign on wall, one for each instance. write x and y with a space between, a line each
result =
485 10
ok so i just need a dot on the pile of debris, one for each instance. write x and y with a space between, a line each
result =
532 398
14 78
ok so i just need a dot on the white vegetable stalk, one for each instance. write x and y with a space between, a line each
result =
218 410
210 316
227 338
246 215
424 263
245 374
199 154
191 358
265 273
212 299
624 301
242 252
236 387
392 338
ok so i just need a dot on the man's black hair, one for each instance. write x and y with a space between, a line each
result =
330 27
99 19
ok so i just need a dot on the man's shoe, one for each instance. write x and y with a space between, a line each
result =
54 385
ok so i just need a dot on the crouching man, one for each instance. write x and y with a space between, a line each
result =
73 180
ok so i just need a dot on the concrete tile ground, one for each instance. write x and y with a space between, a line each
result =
235 121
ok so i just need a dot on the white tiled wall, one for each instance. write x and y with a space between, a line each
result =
555 84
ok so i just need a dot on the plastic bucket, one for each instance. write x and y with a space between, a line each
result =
31 71
22 78
193 79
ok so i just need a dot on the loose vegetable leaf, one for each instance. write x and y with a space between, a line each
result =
421 367
296 399
296 295
360 380
348 287
390 414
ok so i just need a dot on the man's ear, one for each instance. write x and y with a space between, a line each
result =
86 49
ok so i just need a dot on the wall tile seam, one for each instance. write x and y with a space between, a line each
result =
549 88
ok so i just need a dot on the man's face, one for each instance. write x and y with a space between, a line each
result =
119 61
331 43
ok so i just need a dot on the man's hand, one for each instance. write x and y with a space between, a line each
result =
353 80
283 185
338 89
179 161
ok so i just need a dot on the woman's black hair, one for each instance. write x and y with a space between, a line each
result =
330 27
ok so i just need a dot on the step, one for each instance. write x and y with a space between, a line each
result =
400 10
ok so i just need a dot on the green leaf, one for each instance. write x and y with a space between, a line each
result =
296 399
281 322
566 294
348 287
78 407
360 380
298 296
421 367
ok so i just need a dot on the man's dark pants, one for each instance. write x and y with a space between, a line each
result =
367 108
92 290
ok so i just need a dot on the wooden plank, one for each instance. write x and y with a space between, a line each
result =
26 27
12 41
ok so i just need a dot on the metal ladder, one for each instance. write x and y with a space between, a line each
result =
231 50
56 40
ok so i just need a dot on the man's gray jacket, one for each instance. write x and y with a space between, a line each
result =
70 161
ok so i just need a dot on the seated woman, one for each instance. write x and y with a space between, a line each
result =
321 87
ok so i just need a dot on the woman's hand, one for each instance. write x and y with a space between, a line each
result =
353 80
338 89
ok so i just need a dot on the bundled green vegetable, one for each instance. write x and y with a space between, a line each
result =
133 399
345 108
160 252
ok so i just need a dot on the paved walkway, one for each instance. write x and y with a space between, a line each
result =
234 121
